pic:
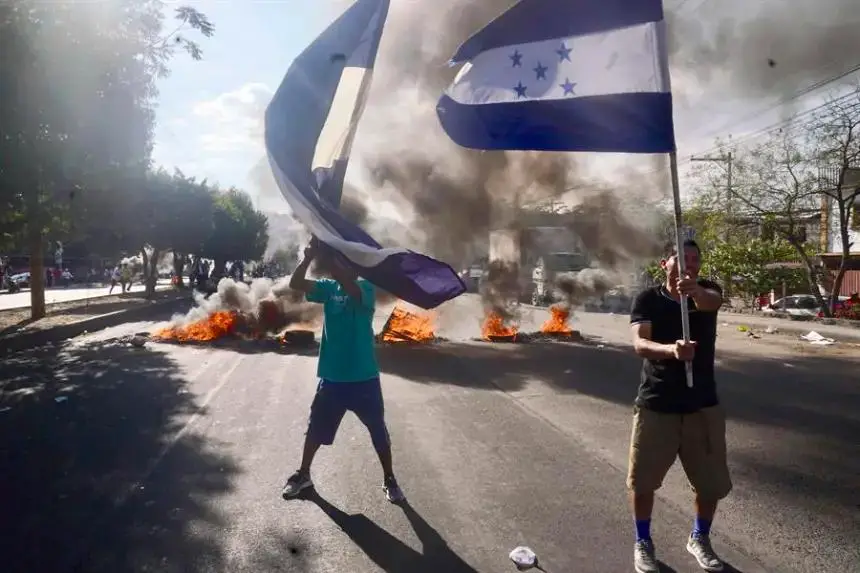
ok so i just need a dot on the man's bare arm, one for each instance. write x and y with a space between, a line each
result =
647 348
298 281
708 300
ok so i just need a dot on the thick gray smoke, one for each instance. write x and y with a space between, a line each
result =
575 289
771 47
265 305
452 196
500 289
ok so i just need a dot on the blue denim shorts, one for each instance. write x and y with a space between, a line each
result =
334 399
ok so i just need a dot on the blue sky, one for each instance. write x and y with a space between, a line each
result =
209 112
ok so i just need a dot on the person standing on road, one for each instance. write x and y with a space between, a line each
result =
347 370
670 419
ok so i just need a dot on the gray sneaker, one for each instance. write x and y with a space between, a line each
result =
296 484
392 490
644 557
699 546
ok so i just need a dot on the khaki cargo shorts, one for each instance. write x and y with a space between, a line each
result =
699 439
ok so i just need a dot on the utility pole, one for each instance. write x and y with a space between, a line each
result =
727 159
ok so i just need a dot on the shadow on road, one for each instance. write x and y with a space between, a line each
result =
79 426
389 553
813 395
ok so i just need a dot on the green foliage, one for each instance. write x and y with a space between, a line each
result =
753 265
239 232
77 86
730 252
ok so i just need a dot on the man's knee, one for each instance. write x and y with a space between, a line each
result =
327 411
654 446
704 456
379 436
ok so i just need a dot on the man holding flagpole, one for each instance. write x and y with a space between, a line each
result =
310 124
589 76
672 420
348 372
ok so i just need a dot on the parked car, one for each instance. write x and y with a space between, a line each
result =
794 305
842 307
21 279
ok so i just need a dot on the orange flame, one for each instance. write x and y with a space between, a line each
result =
217 325
557 322
405 326
494 327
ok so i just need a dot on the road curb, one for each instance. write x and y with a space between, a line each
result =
17 342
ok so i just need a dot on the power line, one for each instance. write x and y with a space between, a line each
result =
791 121
796 95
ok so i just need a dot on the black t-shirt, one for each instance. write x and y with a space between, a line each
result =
663 385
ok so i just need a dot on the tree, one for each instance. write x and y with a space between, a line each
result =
239 232
835 136
192 211
733 255
77 84
752 264
788 179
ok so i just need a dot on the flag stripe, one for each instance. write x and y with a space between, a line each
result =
333 143
619 61
629 123
328 225
537 20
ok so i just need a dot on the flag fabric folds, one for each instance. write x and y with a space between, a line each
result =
565 75
309 128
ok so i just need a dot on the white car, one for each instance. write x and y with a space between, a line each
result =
794 305
21 279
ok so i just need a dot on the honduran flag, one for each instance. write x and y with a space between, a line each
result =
310 125
565 75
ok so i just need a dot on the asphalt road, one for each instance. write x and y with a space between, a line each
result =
170 458
21 299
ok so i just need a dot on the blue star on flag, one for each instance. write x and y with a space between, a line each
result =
568 86
540 70
564 52
520 89
516 58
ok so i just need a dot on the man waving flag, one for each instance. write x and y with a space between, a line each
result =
310 125
593 75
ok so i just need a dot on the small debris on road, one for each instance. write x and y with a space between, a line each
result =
61 399
815 338
771 330
525 559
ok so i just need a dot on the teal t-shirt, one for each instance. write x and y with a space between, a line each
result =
347 349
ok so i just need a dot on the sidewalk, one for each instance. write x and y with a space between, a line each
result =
67 320
794 327
61 294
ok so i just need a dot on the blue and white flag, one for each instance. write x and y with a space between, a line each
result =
565 75
310 126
